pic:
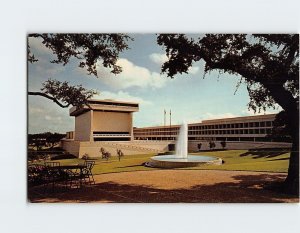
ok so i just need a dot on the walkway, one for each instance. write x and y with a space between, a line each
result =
173 186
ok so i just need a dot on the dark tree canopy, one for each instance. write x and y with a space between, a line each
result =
267 63
264 62
88 49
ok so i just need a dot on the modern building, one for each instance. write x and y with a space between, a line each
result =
103 120
109 124
104 124
249 128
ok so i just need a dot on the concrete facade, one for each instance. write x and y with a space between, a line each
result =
108 124
250 128
102 121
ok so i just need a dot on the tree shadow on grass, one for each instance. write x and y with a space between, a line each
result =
265 153
278 159
137 165
244 189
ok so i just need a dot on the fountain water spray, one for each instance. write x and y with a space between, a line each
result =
182 142
181 158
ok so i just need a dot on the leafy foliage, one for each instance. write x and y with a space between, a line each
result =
89 49
267 63
280 131
199 145
105 154
264 62
44 139
212 145
64 94
223 144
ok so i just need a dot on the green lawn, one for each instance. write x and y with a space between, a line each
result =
241 160
127 163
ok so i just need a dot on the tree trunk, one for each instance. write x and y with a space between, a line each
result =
291 183
290 106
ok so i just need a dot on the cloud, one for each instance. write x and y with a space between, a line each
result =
131 76
44 55
36 46
158 58
121 96
52 118
45 116
35 110
211 116
193 70
250 112
47 69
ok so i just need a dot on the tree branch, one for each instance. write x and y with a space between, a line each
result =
48 97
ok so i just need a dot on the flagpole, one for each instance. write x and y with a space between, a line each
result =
170 124
164 132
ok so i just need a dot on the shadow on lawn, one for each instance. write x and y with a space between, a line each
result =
137 165
244 189
265 153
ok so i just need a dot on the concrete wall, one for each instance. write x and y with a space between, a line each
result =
83 126
146 147
193 146
71 146
93 148
161 146
111 121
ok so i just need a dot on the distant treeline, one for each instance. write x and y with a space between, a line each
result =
46 139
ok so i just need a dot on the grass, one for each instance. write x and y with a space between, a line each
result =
127 163
235 160
244 160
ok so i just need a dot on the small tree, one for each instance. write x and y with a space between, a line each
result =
105 154
223 144
212 145
199 146
120 154
85 156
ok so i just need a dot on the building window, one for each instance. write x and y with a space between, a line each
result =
268 123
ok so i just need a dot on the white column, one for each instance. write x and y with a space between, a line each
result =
91 125
131 127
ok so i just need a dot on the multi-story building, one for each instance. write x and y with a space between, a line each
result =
249 128
103 120
109 124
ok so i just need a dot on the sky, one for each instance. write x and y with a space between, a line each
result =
191 97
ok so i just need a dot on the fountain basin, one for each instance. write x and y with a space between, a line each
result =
172 161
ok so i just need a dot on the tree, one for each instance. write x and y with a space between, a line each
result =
120 154
212 145
279 131
54 138
267 63
199 146
88 49
223 144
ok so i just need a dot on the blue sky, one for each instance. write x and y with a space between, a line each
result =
189 96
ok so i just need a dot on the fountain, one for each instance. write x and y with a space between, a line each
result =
181 158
